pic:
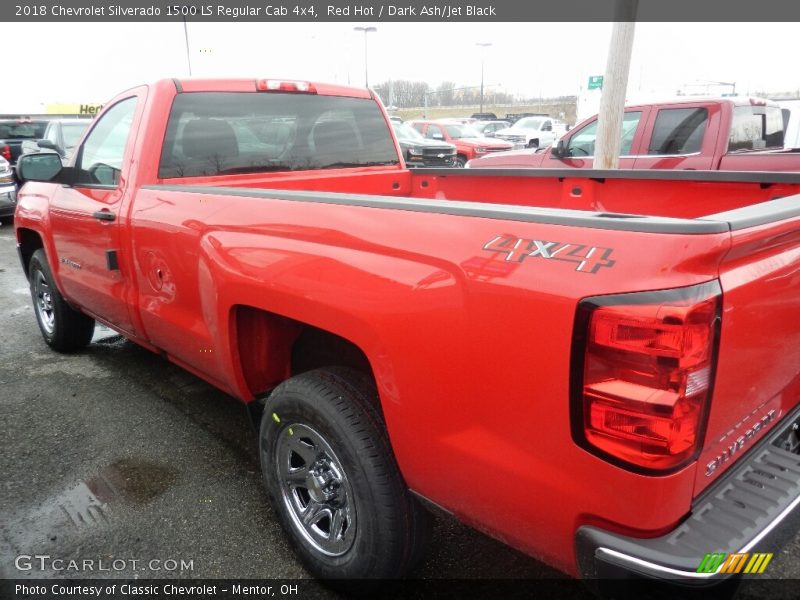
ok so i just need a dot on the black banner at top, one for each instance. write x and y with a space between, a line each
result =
400 10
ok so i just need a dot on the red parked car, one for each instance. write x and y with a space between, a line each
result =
469 143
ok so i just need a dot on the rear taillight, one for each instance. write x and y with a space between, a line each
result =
5 151
644 368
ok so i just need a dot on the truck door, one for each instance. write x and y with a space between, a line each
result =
86 218
580 144
679 137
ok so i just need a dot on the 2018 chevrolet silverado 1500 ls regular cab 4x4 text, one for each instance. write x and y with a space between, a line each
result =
726 134
599 368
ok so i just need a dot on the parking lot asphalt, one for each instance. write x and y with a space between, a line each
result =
114 453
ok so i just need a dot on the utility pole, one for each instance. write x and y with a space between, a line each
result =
366 30
483 46
186 37
615 84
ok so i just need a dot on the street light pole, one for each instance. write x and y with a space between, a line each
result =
186 37
483 46
366 30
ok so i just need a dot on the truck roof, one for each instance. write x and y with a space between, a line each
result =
733 100
251 85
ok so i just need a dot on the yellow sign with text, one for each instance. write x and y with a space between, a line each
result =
88 110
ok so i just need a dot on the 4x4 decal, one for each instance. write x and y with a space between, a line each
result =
588 258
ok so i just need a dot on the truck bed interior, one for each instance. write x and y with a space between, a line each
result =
680 195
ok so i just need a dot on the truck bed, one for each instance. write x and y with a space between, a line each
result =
617 196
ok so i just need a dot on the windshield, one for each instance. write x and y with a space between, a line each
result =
458 132
528 123
408 133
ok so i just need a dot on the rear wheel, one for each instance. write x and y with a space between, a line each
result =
63 328
333 480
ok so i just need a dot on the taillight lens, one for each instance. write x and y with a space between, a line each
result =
6 152
645 365
278 85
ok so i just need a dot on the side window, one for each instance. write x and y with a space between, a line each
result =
434 132
548 126
581 143
100 160
678 131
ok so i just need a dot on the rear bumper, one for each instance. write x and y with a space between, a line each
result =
753 508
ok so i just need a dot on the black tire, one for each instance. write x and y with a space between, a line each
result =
375 528
63 328
533 144
460 162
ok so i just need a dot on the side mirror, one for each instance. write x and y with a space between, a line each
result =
559 149
38 167
46 144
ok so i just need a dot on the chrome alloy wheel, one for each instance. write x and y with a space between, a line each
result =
315 490
43 302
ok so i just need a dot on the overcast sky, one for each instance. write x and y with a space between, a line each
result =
92 62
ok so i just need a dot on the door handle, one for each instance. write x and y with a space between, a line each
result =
104 215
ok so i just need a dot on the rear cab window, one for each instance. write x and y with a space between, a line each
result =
22 129
756 127
435 132
223 133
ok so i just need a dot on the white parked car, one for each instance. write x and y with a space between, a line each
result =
533 132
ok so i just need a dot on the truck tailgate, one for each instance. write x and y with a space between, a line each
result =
758 371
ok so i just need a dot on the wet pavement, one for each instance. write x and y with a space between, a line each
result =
115 456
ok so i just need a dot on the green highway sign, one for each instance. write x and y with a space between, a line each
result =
596 82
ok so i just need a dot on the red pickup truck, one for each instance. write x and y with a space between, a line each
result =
726 134
598 368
